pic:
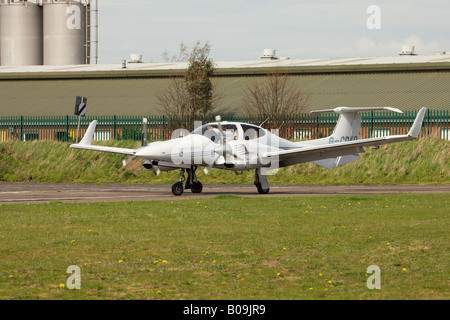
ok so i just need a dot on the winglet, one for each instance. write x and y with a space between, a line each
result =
87 139
415 128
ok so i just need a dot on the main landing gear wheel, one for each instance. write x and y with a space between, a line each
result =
177 189
261 182
261 190
196 187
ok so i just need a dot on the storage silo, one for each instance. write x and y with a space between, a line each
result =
20 33
64 32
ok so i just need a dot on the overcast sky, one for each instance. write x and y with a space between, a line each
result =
241 30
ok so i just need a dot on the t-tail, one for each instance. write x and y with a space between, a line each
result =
348 128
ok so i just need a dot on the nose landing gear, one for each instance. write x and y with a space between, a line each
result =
191 182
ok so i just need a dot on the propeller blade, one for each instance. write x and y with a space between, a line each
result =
144 131
219 126
126 161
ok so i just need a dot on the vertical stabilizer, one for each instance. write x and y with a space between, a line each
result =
348 128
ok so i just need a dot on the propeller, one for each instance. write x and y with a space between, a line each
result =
222 150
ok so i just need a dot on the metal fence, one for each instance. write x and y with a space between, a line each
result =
301 127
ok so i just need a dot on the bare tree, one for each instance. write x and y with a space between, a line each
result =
274 98
173 101
181 56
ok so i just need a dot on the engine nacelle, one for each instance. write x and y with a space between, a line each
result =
156 167
240 166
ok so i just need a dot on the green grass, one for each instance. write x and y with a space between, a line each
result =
228 248
417 162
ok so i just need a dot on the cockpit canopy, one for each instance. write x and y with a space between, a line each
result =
231 131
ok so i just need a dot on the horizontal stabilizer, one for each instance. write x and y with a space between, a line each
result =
341 110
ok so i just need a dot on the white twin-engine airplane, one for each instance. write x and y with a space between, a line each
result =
241 146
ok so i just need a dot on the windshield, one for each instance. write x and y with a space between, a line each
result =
211 131
252 132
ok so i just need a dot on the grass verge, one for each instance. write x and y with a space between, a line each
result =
418 162
228 248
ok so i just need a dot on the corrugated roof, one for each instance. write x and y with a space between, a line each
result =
396 63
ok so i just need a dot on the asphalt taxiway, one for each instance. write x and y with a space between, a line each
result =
38 193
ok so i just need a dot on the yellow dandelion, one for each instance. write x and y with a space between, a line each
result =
320 274
85 264
120 261
310 288
329 281
388 243
404 269
278 274
284 249
156 261
201 261
11 276
61 285
73 241
159 291
214 261
164 261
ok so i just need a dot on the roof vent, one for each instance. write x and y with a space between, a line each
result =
269 54
136 58
408 50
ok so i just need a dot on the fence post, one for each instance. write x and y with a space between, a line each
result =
114 126
21 129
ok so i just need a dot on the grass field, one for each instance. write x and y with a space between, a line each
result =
228 248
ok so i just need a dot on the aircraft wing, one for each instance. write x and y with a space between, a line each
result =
85 143
319 152
307 154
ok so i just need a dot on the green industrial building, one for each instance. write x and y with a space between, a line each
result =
407 82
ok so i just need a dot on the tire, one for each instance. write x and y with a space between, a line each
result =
261 190
197 187
177 189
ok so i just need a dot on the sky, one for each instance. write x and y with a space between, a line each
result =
241 30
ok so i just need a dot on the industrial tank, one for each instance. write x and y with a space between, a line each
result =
64 32
20 33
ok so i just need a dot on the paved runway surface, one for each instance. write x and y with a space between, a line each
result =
35 193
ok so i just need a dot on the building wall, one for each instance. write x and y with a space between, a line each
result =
137 96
